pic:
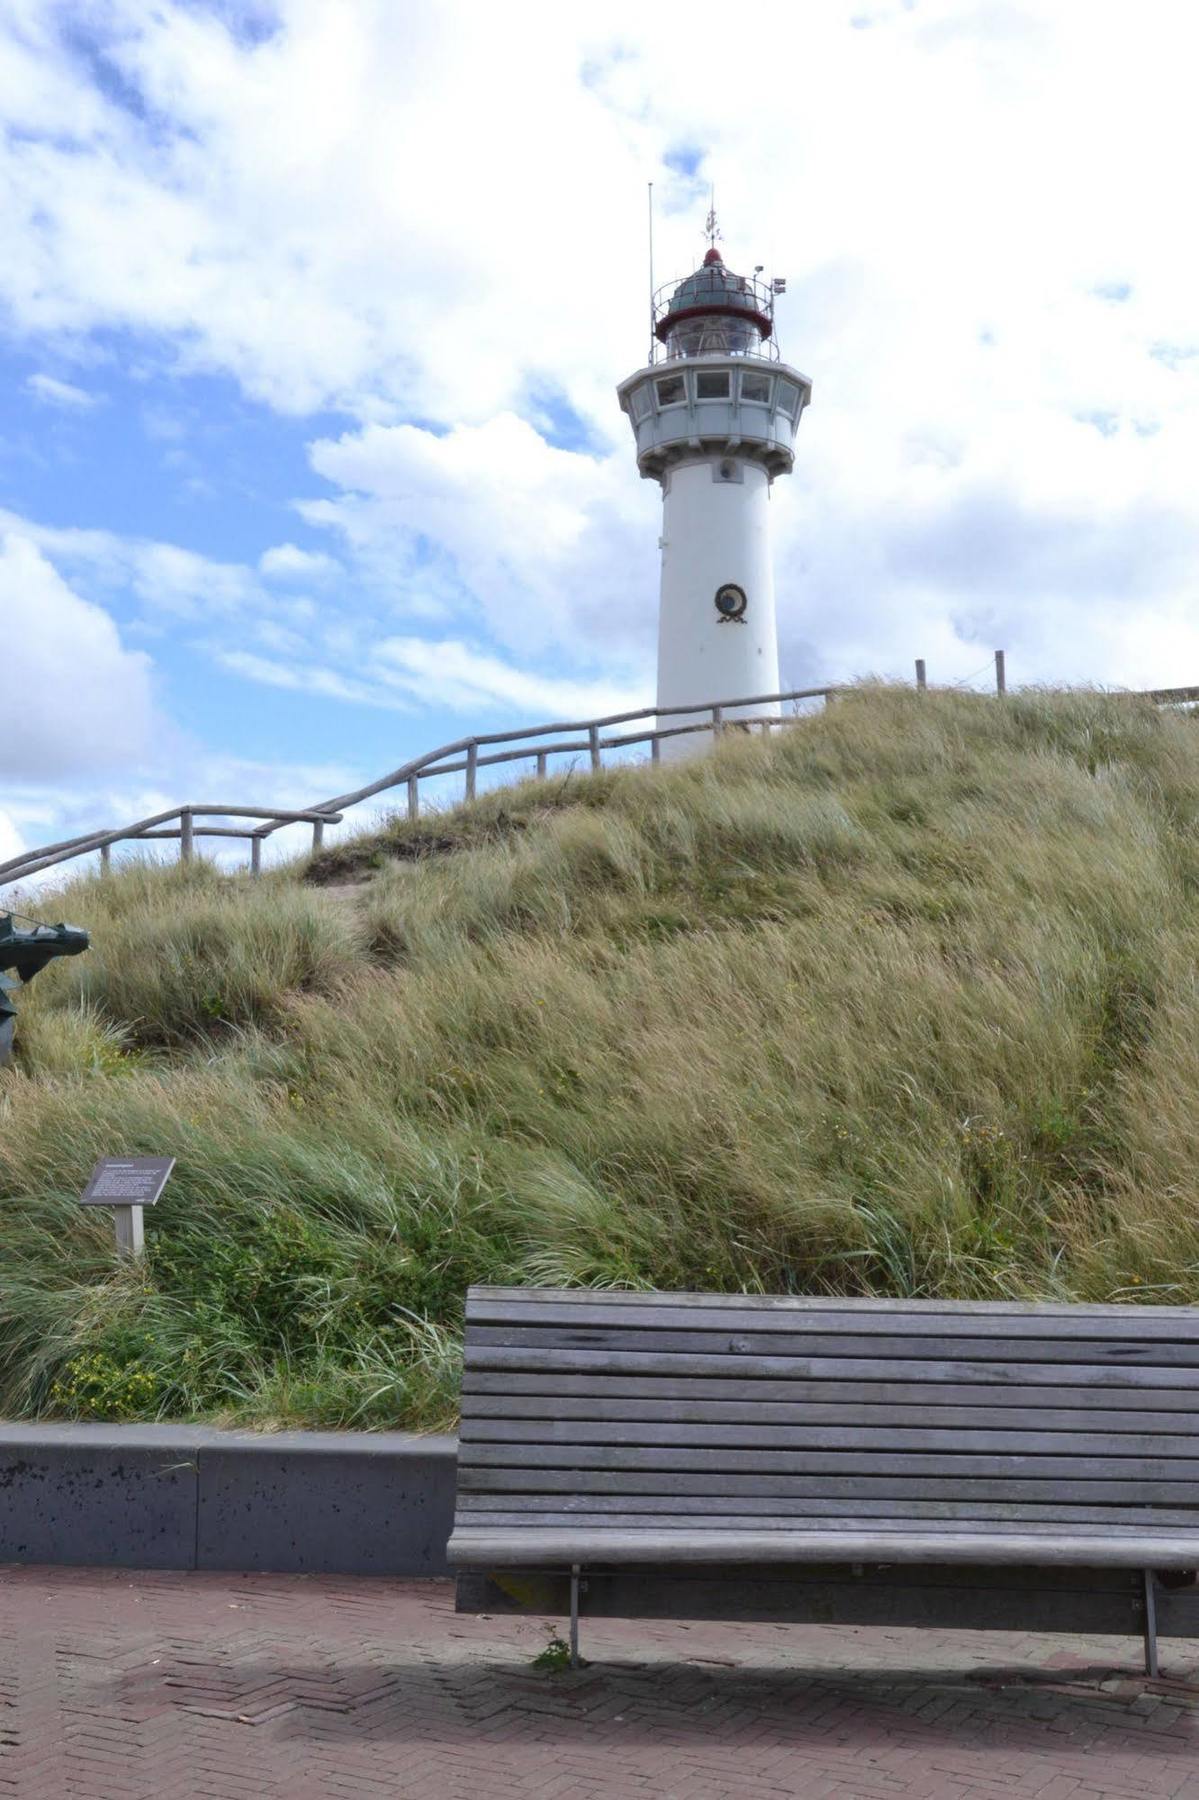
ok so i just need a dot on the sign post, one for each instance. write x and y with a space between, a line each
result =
128 1184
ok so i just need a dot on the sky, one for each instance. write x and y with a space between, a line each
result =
312 315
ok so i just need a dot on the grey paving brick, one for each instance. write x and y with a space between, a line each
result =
115 1686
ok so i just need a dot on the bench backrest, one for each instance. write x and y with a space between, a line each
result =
625 1410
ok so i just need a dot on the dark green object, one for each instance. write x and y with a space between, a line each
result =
23 954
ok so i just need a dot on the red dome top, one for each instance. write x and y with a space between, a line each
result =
713 256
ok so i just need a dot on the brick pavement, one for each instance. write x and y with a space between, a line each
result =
115 1686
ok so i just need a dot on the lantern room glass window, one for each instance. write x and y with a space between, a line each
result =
672 390
713 334
788 400
641 402
756 388
712 384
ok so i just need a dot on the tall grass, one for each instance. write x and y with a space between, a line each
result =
902 1002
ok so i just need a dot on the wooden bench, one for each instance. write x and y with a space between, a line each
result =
857 1461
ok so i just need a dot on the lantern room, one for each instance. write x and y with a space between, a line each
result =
715 313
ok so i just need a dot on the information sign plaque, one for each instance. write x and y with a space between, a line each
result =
127 1184
127 1181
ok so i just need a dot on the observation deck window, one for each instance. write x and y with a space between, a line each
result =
672 390
788 400
712 384
642 402
756 387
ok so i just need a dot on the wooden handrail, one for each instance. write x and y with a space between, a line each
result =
463 754
143 828
582 725
466 755
1170 696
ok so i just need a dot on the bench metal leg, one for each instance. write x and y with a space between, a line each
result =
574 1615
1151 1665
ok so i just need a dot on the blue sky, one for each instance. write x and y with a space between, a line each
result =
192 462
310 327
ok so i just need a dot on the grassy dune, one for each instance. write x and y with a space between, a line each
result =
902 1003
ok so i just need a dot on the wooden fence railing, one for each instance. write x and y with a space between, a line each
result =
588 738
465 756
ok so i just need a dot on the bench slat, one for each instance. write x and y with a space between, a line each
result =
1123 1352
484 1298
1158 1550
694 1507
595 1311
472 1478
883 1525
836 1368
815 1462
549 1388
493 1407
663 1434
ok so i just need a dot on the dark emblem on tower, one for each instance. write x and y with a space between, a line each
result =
731 603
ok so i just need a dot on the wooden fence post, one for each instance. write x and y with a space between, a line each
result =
655 749
718 721
541 765
472 768
593 741
256 855
105 859
414 796
185 834
318 834
921 681
1000 673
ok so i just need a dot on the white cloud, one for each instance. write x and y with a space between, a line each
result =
11 840
408 674
279 208
356 656
294 209
301 678
75 700
163 577
64 394
977 206
545 547
287 562
454 675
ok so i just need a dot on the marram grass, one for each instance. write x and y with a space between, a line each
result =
904 1002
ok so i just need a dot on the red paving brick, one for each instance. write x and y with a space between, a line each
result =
117 1686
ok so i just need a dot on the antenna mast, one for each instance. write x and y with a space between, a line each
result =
651 271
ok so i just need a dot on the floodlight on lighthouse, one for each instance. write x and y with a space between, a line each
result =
714 414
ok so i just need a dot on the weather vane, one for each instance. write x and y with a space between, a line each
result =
711 230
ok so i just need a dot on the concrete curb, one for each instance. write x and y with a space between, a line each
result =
192 1497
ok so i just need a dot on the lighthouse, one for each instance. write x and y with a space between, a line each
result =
714 414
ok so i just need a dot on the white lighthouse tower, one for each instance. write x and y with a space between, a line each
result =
715 413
